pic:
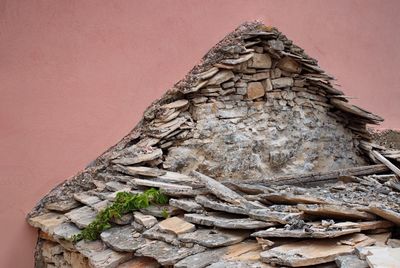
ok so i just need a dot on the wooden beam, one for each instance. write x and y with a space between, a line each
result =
319 176
386 162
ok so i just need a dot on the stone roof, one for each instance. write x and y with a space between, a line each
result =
264 161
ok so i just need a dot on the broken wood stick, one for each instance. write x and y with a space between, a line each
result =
386 162
320 176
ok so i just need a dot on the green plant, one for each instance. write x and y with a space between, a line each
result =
124 202
165 213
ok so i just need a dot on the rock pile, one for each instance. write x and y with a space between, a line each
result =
224 144
231 224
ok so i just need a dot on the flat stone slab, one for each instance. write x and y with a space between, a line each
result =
335 211
138 156
216 204
176 226
147 221
383 257
161 185
155 234
100 205
214 237
82 217
144 171
159 210
185 192
86 198
241 252
65 231
100 256
227 221
188 205
202 259
123 238
350 261
311 252
275 216
281 232
62 206
167 254
115 186
175 177
47 222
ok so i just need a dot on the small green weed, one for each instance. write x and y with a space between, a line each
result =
124 202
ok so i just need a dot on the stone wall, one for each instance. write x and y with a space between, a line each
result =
283 132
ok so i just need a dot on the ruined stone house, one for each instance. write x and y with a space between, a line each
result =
262 157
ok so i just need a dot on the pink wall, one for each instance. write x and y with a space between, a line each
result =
77 75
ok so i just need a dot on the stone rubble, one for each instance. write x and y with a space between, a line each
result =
264 162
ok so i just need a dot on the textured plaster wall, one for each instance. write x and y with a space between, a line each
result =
76 76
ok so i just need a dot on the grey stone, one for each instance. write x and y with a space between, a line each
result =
138 227
207 74
282 82
123 238
276 216
100 205
276 44
188 205
124 219
227 85
144 171
239 60
135 155
199 100
160 185
241 90
214 237
156 234
185 192
82 217
220 77
167 254
260 61
176 104
100 256
87 198
350 261
215 204
116 186
62 206
232 113
147 221
394 243
65 231
226 221
160 210
47 222
202 259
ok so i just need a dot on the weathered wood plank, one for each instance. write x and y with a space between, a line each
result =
319 176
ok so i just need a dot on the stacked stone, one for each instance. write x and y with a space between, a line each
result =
221 144
268 90
212 224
